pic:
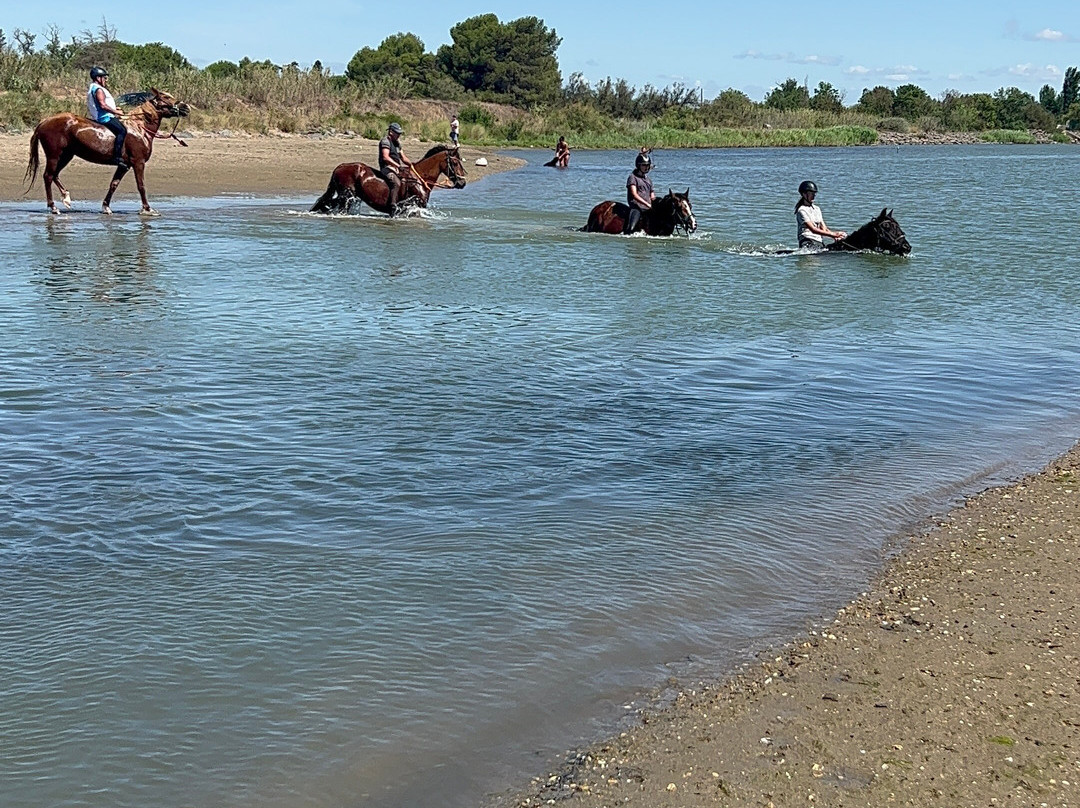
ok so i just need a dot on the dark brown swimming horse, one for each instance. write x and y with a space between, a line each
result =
65 136
880 234
667 214
360 181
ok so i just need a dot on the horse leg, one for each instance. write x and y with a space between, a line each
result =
48 176
146 209
61 164
117 176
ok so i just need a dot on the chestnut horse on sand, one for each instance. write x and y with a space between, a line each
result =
880 234
360 181
65 136
667 214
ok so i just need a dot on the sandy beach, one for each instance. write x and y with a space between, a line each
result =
217 164
953 681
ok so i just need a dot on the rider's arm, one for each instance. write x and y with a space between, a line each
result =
645 203
99 95
823 230
385 152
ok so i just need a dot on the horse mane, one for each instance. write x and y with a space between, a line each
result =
436 149
135 99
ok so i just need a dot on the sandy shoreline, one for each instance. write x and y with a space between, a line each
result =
212 165
953 681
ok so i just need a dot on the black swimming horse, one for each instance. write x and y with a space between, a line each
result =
880 234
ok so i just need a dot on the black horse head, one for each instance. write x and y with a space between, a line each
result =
682 212
880 234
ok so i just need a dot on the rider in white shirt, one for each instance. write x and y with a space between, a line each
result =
103 110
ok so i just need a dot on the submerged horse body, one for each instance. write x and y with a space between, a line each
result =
351 181
66 136
667 214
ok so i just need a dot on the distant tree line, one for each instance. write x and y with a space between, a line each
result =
515 63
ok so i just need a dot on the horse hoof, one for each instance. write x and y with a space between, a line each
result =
148 212
55 211
106 210
67 201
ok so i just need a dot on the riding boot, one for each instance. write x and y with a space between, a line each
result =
393 200
632 219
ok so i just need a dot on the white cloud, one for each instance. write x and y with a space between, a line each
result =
753 54
1049 35
790 58
894 73
1030 71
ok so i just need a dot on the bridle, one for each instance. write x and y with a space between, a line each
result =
448 170
681 220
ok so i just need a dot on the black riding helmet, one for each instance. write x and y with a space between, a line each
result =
642 160
97 72
807 186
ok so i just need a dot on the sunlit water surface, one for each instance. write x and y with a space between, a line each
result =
311 512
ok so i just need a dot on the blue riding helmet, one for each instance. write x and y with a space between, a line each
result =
97 72
395 127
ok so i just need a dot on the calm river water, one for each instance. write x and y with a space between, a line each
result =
312 512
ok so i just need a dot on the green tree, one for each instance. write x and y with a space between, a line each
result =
1048 98
515 60
222 69
789 95
827 98
878 101
400 55
1013 108
912 102
1070 89
153 57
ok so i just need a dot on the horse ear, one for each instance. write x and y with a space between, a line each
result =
670 192
687 193
883 214
890 213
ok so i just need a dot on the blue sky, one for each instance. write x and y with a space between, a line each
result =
753 46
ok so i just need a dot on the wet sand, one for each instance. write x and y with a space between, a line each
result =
211 165
954 681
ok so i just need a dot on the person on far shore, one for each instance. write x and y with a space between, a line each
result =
639 190
811 221
102 109
392 162
562 153
454 129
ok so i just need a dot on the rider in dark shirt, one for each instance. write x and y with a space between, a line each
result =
639 190
392 163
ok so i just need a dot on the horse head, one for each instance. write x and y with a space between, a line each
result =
454 168
167 106
890 238
682 211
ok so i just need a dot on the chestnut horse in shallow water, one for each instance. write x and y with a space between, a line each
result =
360 181
65 136
667 214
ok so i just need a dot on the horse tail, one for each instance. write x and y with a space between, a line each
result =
322 204
32 166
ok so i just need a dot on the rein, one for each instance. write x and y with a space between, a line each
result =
171 135
430 185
